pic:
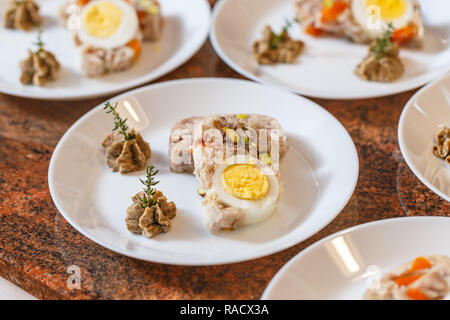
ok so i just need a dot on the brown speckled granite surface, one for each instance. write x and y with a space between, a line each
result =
37 245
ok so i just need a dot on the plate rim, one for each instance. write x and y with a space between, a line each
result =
319 243
401 139
229 62
145 79
223 261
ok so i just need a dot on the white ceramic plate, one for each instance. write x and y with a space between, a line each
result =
343 265
316 185
185 30
325 68
423 117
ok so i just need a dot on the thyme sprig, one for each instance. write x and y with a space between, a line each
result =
149 191
382 44
39 43
17 3
280 37
119 123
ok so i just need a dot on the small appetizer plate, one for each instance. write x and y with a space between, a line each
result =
318 174
185 30
345 264
423 117
326 67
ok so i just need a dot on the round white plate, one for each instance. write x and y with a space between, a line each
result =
326 67
316 185
423 117
186 27
343 265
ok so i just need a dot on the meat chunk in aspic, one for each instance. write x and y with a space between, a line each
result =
150 19
96 62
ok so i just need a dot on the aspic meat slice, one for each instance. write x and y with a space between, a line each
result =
197 144
215 141
428 279
181 144
309 13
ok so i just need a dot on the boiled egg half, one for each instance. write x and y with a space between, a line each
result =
374 15
251 186
108 24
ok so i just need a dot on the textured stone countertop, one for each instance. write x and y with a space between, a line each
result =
37 245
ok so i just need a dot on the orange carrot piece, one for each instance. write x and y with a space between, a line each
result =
420 263
83 2
416 294
405 34
406 280
313 31
331 13
141 14
135 44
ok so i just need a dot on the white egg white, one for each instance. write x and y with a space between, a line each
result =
126 31
255 210
364 17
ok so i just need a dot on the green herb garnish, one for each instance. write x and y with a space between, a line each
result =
119 123
382 44
149 192
17 3
280 37
39 44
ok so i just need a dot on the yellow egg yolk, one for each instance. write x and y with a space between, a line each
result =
389 9
245 181
102 19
